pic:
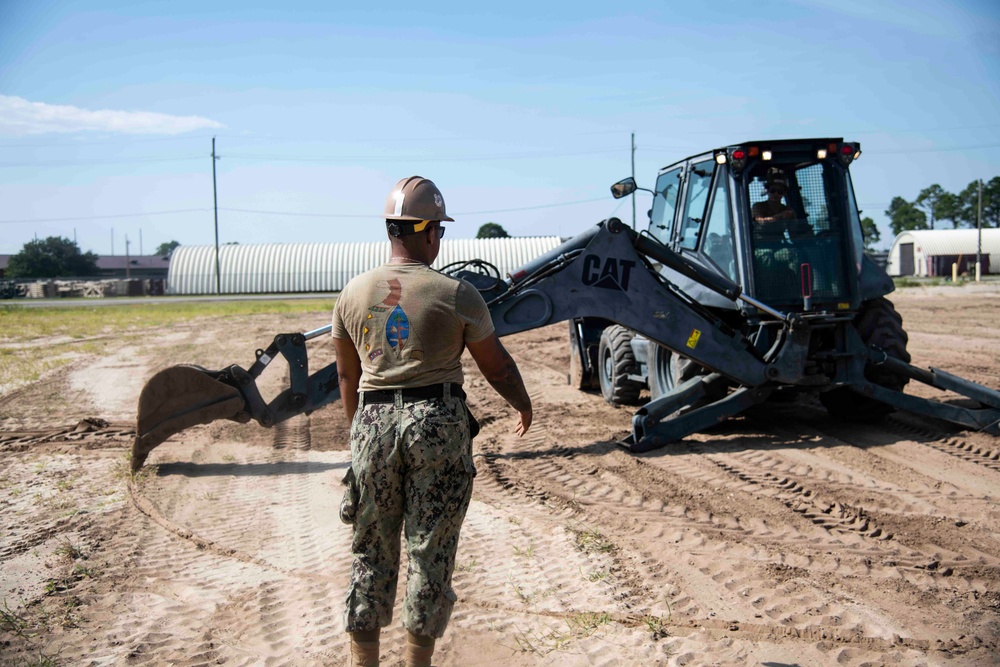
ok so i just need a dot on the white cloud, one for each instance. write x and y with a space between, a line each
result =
19 116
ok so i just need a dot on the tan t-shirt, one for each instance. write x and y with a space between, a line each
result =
410 325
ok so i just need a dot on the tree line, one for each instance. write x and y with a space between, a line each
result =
936 208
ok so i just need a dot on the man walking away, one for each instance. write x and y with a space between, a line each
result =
399 331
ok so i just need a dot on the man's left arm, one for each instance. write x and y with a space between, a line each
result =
348 374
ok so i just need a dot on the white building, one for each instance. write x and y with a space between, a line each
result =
931 252
275 268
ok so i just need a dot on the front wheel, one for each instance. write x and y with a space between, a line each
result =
665 370
616 361
878 324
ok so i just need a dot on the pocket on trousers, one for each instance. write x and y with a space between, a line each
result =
473 422
349 503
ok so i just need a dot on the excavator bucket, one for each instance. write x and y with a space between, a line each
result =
178 398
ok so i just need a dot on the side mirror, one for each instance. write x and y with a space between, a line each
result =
623 188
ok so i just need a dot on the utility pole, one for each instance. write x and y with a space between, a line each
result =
979 240
112 241
140 242
633 178
215 196
128 269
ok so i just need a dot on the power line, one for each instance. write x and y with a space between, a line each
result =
69 163
294 214
418 158
109 142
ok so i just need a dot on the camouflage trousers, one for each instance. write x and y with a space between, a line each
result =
413 470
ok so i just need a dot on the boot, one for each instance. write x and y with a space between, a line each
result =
364 648
419 650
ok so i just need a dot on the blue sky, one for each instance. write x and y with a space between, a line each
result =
521 112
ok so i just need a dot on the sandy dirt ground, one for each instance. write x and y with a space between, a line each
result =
782 537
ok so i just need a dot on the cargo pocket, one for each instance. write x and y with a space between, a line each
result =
349 503
473 422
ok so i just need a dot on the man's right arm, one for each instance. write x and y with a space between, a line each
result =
348 374
501 372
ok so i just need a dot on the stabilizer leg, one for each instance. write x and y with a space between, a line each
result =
649 432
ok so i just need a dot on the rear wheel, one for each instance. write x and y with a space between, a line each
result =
616 361
878 324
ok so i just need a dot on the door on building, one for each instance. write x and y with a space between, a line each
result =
906 259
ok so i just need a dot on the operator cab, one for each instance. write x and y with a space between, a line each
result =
799 245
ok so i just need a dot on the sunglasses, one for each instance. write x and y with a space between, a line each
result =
440 231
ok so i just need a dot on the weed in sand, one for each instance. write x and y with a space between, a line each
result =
580 626
526 553
586 623
523 595
595 576
468 567
121 471
13 622
70 551
591 541
656 626
39 659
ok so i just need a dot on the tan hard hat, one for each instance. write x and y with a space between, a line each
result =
415 198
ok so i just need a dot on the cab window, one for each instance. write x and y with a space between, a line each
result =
661 218
699 182
718 245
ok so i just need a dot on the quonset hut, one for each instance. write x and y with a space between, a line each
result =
931 252
276 268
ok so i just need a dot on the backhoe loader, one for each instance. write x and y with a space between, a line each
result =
750 284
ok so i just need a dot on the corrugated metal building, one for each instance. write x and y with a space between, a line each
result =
931 252
276 268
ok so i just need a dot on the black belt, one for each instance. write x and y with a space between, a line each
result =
411 394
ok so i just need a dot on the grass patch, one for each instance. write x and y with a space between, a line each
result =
22 324
555 639
87 330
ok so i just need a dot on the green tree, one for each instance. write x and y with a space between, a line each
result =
928 200
55 257
492 230
969 203
991 202
904 216
870 232
164 249
949 208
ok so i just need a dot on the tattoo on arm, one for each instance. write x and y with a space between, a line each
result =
508 383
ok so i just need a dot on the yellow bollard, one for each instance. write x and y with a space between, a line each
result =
954 272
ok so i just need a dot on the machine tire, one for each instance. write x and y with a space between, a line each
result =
665 371
616 361
879 324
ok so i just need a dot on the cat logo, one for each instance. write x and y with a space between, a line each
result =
613 275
